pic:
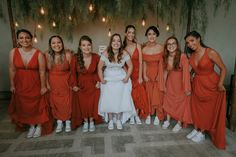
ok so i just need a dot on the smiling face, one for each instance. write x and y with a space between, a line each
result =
152 36
171 45
56 44
130 34
192 42
116 42
85 46
24 40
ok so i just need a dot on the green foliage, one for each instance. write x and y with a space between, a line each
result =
127 10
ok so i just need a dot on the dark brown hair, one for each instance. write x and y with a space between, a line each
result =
177 56
110 51
126 29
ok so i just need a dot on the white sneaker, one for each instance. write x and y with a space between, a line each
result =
166 124
85 127
91 126
59 126
119 125
131 121
177 128
199 137
31 131
37 132
148 120
68 127
137 119
156 121
110 125
192 134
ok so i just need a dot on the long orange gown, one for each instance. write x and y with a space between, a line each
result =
60 96
208 104
138 91
88 95
175 102
155 85
27 106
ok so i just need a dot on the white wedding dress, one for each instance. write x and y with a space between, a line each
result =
115 95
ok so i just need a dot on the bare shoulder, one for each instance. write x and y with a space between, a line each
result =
12 51
125 52
105 53
213 53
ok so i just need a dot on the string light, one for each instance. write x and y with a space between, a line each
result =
39 26
35 39
16 24
143 22
91 7
167 27
42 11
109 32
54 24
103 19
70 18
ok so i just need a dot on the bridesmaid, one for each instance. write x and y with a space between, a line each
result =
87 86
58 64
153 74
176 102
27 77
138 92
208 94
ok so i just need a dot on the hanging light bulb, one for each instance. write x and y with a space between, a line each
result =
143 22
39 26
167 27
54 24
103 19
42 11
16 24
70 18
90 7
35 38
109 32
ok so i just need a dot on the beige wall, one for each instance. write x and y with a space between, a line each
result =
219 35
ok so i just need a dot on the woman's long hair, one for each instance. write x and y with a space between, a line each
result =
80 57
167 53
51 58
110 52
196 35
126 29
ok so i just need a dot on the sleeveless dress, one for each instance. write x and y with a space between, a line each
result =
175 102
60 95
115 95
155 85
208 104
138 91
27 105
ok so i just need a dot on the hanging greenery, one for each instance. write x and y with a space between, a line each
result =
65 16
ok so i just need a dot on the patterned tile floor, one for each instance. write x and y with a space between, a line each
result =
132 141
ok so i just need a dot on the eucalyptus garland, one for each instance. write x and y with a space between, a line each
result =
68 15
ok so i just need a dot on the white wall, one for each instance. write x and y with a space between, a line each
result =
219 35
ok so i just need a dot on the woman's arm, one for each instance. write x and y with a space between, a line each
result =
140 78
12 71
42 69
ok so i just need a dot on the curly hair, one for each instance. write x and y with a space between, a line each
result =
80 58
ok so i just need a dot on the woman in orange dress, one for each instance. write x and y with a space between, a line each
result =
176 102
153 74
87 84
27 78
208 100
138 91
58 83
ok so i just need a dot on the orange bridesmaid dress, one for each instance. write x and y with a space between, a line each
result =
138 91
155 85
208 104
60 96
27 105
87 97
175 102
